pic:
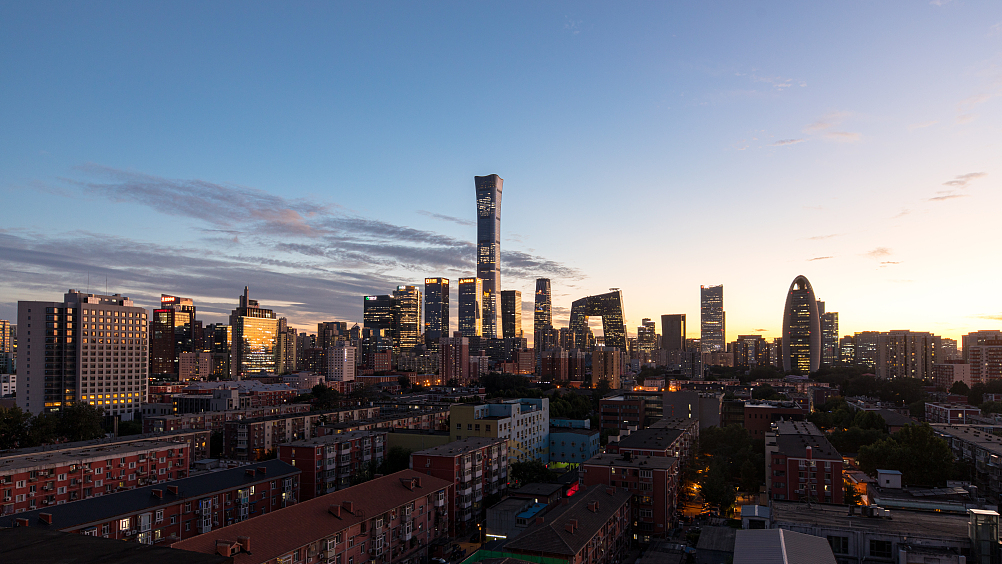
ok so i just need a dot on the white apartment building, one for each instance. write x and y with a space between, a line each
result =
524 422
341 363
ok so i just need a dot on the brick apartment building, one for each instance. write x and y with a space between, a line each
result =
215 420
671 436
175 510
802 465
250 439
388 520
477 467
654 482
328 462
949 413
41 479
760 415
424 420
593 527
620 413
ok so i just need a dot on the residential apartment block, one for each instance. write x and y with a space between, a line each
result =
175 510
524 422
328 462
574 446
801 465
949 413
477 467
654 482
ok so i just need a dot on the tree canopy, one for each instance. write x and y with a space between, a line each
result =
921 457
533 471
77 422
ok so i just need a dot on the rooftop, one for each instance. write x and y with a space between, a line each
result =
970 434
778 546
325 440
659 462
26 544
537 488
552 535
276 533
33 460
104 441
102 508
462 446
654 439
904 523
573 431
719 539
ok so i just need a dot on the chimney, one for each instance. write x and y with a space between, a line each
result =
417 482
262 469
244 543
45 518
610 490
22 522
569 527
158 494
249 472
223 548
575 523
539 520
593 507
810 454
347 506
172 489
335 510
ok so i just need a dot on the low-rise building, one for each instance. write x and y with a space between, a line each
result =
392 520
27 544
547 494
574 445
760 415
524 422
508 518
250 439
37 478
477 467
949 413
801 464
174 510
618 412
654 480
593 527
982 449
328 462
215 420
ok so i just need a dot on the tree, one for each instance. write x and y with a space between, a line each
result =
325 398
915 451
15 425
716 488
216 444
404 382
397 459
44 429
765 392
530 472
365 473
851 495
960 388
81 422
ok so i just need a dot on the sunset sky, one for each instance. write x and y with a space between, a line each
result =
320 151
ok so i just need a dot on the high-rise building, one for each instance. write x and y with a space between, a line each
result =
847 350
6 348
977 338
285 361
750 351
647 336
409 322
436 311
88 348
382 313
340 362
610 307
255 338
219 343
542 317
673 332
454 358
948 349
511 313
711 318
471 308
489 248
866 347
801 329
829 335
172 332
606 363
985 360
907 354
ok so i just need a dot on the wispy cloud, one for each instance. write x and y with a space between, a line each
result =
890 262
995 29
447 218
822 237
820 258
939 2
989 316
843 136
879 252
948 196
902 213
823 127
962 180
760 330
782 142
922 125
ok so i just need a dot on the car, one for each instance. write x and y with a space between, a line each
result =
437 560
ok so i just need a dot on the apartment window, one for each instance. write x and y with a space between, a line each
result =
123 525
840 545
105 529
880 549
160 515
469 426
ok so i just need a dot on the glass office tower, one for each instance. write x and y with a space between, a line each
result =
489 248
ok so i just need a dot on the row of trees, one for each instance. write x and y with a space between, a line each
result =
728 458
78 422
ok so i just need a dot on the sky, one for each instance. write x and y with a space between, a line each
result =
319 151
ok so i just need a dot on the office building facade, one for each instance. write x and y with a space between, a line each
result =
673 332
801 329
712 318
88 348
436 311
409 321
172 332
610 307
471 308
511 313
542 316
255 338
489 248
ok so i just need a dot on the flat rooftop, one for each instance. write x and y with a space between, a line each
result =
37 460
462 446
324 440
659 462
904 523
654 439
537 488
970 434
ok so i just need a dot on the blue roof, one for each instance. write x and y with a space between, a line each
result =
532 511
879 471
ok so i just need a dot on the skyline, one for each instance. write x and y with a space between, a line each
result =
651 149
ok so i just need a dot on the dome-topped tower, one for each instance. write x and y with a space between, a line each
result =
801 329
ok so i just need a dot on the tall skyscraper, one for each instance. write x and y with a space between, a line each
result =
673 332
711 318
471 307
409 328
172 332
219 342
285 359
489 248
436 311
88 348
255 338
647 336
511 313
829 337
381 313
801 329
610 307
542 318
6 348
454 358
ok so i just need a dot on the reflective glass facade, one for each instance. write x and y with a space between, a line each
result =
470 307
511 313
673 332
610 307
409 320
801 329
711 318
489 248
436 311
542 319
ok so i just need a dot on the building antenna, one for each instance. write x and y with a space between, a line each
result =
88 281
106 284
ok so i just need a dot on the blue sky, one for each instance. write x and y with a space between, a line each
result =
317 152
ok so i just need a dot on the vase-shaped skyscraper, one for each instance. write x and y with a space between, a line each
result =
801 329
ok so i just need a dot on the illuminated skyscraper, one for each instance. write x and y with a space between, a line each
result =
711 318
382 313
409 324
610 307
673 332
511 313
647 336
489 248
542 319
171 333
6 348
255 338
829 337
436 311
801 329
471 307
